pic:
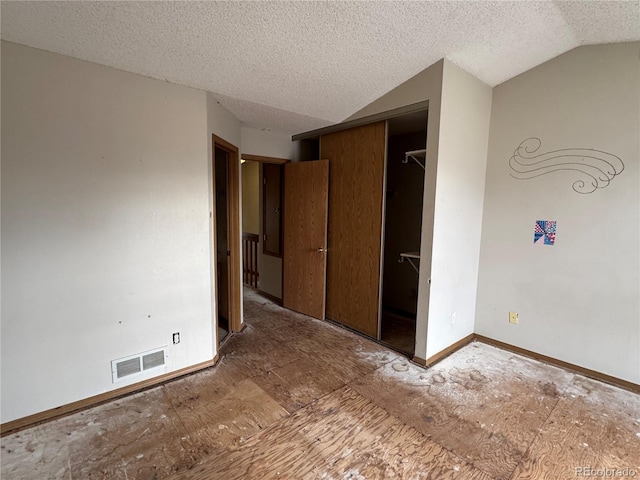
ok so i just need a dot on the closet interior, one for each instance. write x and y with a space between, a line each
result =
405 170
376 183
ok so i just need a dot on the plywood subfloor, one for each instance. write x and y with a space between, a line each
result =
398 331
297 398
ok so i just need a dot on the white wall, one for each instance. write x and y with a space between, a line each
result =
268 143
578 300
222 123
105 226
462 158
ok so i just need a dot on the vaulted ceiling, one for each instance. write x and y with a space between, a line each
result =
299 65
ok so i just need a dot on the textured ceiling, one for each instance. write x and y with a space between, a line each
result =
295 66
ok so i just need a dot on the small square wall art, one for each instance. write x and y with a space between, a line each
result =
544 232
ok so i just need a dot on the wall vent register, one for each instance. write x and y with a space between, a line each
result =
135 365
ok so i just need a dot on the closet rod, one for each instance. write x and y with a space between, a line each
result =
410 257
416 155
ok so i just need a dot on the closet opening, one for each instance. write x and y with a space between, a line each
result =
376 194
221 179
225 185
405 171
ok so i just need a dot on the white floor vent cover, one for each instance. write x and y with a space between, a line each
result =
128 367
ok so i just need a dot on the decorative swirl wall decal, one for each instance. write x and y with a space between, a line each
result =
596 168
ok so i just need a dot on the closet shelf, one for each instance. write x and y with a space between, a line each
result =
410 257
418 156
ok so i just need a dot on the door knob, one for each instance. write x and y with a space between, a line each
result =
321 250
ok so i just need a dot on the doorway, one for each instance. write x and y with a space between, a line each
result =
262 214
226 237
250 224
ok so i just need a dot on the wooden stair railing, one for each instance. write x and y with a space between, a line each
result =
250 259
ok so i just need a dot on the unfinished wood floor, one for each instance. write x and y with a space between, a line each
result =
295 398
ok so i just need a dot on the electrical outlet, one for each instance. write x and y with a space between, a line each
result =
513 317
176 338
453 318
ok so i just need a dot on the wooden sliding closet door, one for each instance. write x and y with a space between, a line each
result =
356 181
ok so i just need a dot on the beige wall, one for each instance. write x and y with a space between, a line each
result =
251 197
579 299
105 225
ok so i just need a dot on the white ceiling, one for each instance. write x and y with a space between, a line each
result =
295 66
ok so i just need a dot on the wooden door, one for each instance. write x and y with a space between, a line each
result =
231 271
356 187
305 237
